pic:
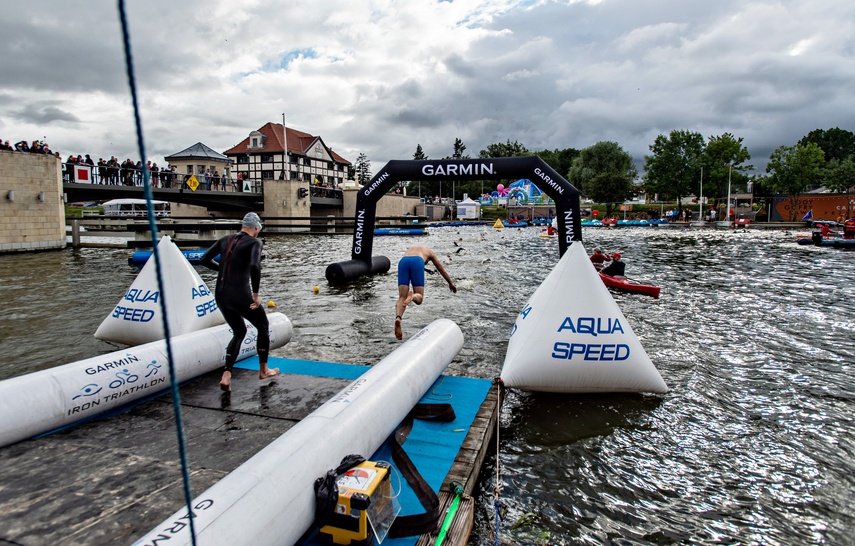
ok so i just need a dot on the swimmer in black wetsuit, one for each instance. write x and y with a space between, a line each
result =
411 271
238 280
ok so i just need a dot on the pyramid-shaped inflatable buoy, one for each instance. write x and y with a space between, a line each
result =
572 337
190 304
498 224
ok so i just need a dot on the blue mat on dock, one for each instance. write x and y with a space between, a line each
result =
432 446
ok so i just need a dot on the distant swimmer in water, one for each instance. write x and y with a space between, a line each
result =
411 271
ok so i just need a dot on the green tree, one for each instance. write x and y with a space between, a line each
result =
604 172
559 160
724 158
419 154
459 148
363 169
673 170
507 149
416 186
793 169
839 176
836 143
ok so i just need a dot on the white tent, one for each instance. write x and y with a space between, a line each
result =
468 209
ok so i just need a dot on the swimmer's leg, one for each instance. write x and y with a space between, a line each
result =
226 381
418 294
404 298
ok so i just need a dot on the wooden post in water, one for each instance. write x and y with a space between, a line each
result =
75 233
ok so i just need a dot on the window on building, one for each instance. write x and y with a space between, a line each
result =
200 169
189 169
292 158
254 142
267 175
307 177
243 159
293 175
307 162
267 158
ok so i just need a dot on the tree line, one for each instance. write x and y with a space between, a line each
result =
681 164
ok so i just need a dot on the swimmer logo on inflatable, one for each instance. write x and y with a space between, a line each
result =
136 319
572 337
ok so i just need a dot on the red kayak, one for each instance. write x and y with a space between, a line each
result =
625 285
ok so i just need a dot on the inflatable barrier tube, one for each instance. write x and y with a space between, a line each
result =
140 257
399 231
58 397
344 272
270 499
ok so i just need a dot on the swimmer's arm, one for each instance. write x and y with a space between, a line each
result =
443 272
207 259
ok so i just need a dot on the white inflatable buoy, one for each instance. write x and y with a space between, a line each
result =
270 499
49 399
572 337
190 304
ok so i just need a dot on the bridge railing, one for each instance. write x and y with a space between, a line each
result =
122 176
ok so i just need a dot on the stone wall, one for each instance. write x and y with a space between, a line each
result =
32 212
281 199
391 204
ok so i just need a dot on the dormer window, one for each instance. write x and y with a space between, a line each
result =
256 140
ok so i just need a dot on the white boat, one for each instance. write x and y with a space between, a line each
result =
134 207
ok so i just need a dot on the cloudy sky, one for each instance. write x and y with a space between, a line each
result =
381 76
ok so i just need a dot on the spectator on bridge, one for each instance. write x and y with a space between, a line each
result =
89 161
22 146
102 171
207 176
4 145
155 175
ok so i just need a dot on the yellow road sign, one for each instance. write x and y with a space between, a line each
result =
192 183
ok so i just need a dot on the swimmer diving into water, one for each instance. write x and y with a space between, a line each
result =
411 271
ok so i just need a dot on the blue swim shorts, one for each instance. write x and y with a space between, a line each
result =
411 269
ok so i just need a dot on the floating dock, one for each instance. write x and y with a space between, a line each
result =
112 480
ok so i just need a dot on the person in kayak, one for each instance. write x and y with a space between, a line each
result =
598 258
616 268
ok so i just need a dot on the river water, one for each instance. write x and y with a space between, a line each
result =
754 335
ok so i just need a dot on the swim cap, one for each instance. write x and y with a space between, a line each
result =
252 220
616 256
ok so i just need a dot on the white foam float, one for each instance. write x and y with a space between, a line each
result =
42 401
190 304
270 499
572 337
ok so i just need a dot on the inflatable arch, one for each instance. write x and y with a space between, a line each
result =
566 197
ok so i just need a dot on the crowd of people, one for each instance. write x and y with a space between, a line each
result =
113 172
37 147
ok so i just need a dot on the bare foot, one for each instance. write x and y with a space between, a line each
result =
399 334
226 382
270 372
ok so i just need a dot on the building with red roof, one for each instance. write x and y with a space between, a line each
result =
276 152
